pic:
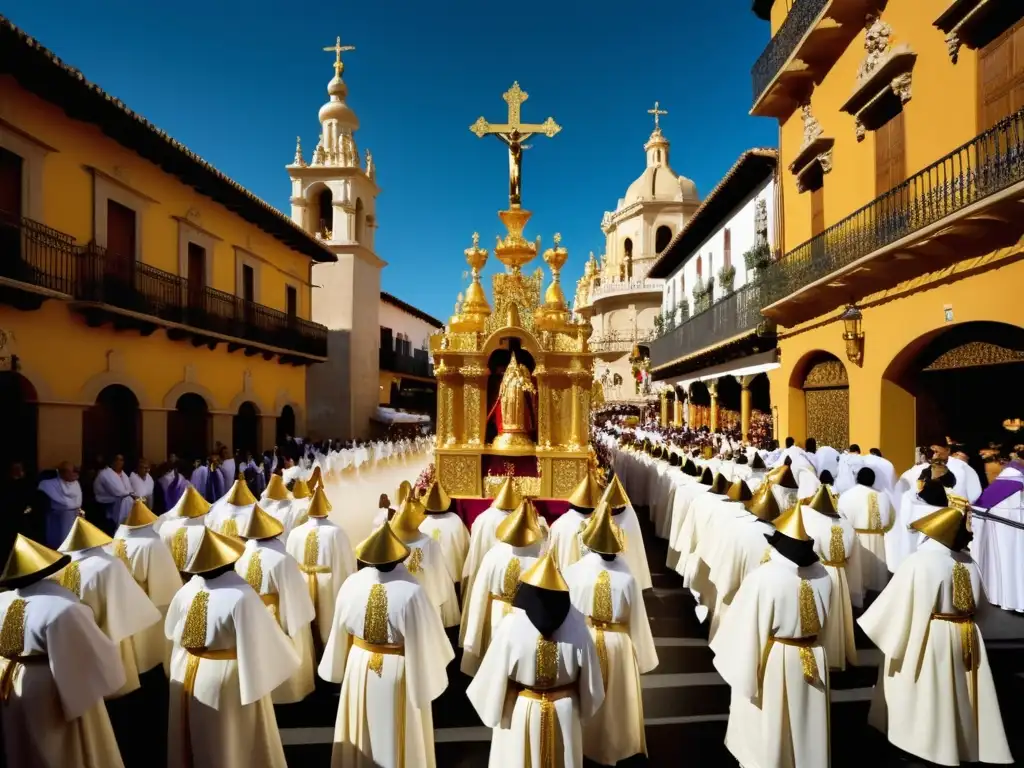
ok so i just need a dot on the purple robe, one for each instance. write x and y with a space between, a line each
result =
174 491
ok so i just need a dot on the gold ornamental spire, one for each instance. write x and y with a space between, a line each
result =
739 491
943 525
791 524
404 491
338 49
300 489
822 502
587 494
764 505
319 507
436 499
406 522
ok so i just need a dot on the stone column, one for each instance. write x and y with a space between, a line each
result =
713 391
154 435
266 432
473 402
60 434
220 426
745 382
677 416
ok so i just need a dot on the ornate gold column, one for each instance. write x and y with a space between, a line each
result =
745 382
473 402
445 405
580 393
663 419
677 416
543 407
713 391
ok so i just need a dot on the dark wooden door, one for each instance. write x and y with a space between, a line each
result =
196 275
890 155
10 212
291 300
120 243
1001 77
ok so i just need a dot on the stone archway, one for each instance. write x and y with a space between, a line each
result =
113 425
188 427
821 382
285 426
245 429
20 413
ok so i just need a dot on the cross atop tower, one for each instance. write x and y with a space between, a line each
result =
338 49
657 113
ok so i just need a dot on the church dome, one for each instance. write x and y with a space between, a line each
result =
336 108
658 181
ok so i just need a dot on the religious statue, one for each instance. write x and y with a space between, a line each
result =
369 164
512 409
319 155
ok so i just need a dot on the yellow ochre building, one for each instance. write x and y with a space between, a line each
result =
149 305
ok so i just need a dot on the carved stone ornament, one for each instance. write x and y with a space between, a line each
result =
812 128
885 70
115 361
975 23
877 45
815 156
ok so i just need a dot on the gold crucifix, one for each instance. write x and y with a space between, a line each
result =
338 49
513 133
657 113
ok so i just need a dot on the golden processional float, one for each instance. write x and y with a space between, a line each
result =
514 383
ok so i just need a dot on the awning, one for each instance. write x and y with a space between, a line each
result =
744 366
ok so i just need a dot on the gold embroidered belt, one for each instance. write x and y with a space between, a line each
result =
547 697
502 599
311 572
188 686
967 648
608 626
876 531
835 563
377 652
14 663
808 663
273 603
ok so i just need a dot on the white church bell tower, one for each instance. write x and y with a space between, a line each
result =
334 198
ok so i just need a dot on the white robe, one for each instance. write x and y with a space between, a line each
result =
968 483
835 541
227 518
494 589
448 530
122 609
616 732
742 548
54 715
325 557
142 487
777 719
907 483
872 516
114 491
515 718
288 512
228 716
384 713
150 563
181 536
998 549
276 578
926 697
426 563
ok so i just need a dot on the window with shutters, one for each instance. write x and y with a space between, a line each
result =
10 184
817 211
727 246
890 155
1001 77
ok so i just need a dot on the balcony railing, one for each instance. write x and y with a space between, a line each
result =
38 256
795 27
733 315
989 163
619 341
412 365
620 287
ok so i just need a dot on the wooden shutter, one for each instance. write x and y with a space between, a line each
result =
10 184
291 301
120 231
727 246
817 211
1001 77
890 155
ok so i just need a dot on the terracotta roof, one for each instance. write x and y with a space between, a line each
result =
388 298
40 71
752 168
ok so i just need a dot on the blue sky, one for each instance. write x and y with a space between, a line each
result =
236 82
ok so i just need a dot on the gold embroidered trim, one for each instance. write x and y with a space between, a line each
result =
375 625
510 582
12 633
179 548
963 603
193 639
547 662
121 552
874 514
254 572
601 612
415 562
810 624
436 534
71 579
766 556
836 550
193 634
229 527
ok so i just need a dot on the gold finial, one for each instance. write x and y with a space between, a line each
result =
338 49
558 239
657 113
476 239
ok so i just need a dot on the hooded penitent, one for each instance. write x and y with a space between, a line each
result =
790 538
543 595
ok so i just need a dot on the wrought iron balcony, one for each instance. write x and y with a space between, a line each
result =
734 316
37 262
412 365
620 341
967 203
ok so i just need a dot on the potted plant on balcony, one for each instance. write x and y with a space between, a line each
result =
659 324
683 310
726 277
702 294
758 257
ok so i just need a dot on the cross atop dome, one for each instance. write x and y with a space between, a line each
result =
339 65
657 113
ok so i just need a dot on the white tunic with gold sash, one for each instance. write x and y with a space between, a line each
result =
324 555
151 565
389 651
534 692
494 589
181 535
768 650
227 518
608 595
448 530
426 563
229 655
872 517
121 608
742 548
288 512
936 698
56 667
277 579
835 542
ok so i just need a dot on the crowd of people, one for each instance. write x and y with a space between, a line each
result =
783 546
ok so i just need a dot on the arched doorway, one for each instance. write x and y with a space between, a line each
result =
285 425
662 237
961 382
188 427
826 393
324 224
728 402
245 429
497 363
112 425
20 413
700 405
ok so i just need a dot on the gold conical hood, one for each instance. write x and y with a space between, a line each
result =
193 504
707 477
791 524
382 547
719 485
262 525
602 535
587 493
519 529
436 499
822 502
300 489
406 522
215 550
783 477
544 574
30 558
758 463
404 491
276 490
943 525
316 478
140 515
615 494
240 495
319 506
739 491
507 498
763 505
83 535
